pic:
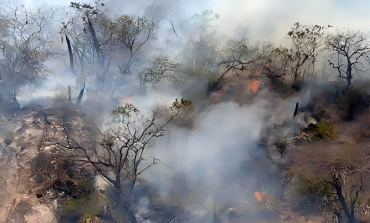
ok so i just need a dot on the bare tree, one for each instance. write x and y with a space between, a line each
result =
198 60
307 42
240 56
118 154
341 175
162 68
93 35
26 42
133 32
350 50
200 54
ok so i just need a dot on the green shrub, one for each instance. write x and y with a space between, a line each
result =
324 129
327 190
302 186
8 136
88 206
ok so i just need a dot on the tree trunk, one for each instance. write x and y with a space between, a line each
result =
70 54
295 110
122 199
350 216
349 74
214 86
79 98
99 53
349 83
295 80
15 88
117 186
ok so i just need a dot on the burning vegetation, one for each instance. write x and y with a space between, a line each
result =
108 117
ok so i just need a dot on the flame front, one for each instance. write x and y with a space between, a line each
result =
254 85
258 195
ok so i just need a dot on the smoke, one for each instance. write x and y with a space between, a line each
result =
45 92
205 165
217 164
268 20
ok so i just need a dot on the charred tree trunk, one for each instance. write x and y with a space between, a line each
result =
78 102
296 71
343 203
69 94
70 54
99 53
349 74
117 183
123 198
295 78
15 89
296 110
350 214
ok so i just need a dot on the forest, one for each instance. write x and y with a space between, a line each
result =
153 117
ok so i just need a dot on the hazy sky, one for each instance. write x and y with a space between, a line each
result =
267 19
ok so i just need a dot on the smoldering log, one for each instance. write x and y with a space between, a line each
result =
296 110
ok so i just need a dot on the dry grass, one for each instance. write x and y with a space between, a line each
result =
360 129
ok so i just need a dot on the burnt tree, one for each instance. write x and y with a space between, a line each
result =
118 154
350 50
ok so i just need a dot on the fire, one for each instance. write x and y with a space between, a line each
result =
254 85
258 195
126 100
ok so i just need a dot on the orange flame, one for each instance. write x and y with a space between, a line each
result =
258 195
254 85
126 100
